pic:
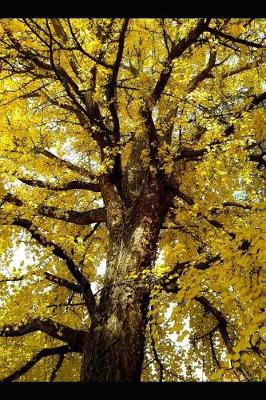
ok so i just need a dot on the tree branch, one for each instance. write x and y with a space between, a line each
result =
218 316
218 33
80 218
237 70
111 88
176 51
259 158
61 351
64 163
89 234
175 189
96 215
63 282
68 84
73 337
72 267
58 366
204 74
190 154
257 100
11 198
156 356
222 326
64 78
80 48
94 187
235 204
214 356
169 281
146 111
216 224
14 279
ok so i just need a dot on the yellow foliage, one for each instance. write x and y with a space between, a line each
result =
64 127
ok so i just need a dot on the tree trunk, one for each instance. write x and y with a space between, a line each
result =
115 347
114 350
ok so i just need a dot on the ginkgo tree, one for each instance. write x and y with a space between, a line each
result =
132 176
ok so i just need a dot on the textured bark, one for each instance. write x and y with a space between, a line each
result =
114 348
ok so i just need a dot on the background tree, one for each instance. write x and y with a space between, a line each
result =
140 143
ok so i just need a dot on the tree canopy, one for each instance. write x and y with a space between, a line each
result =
94 113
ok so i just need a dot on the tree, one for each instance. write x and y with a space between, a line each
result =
139 142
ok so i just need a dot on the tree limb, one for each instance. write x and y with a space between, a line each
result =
222 326
72 267
112 104
257 100
204 74
234 39
214 356
61 351
169 281
94 187
190 154
175 189
89 234
156 356
64 163
81 218
57 367
14 279
235 204
111 88
73 337
162 368
81 49
237 70
146 111
96 215
63 282
11 198
259 158
176 51
64 78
